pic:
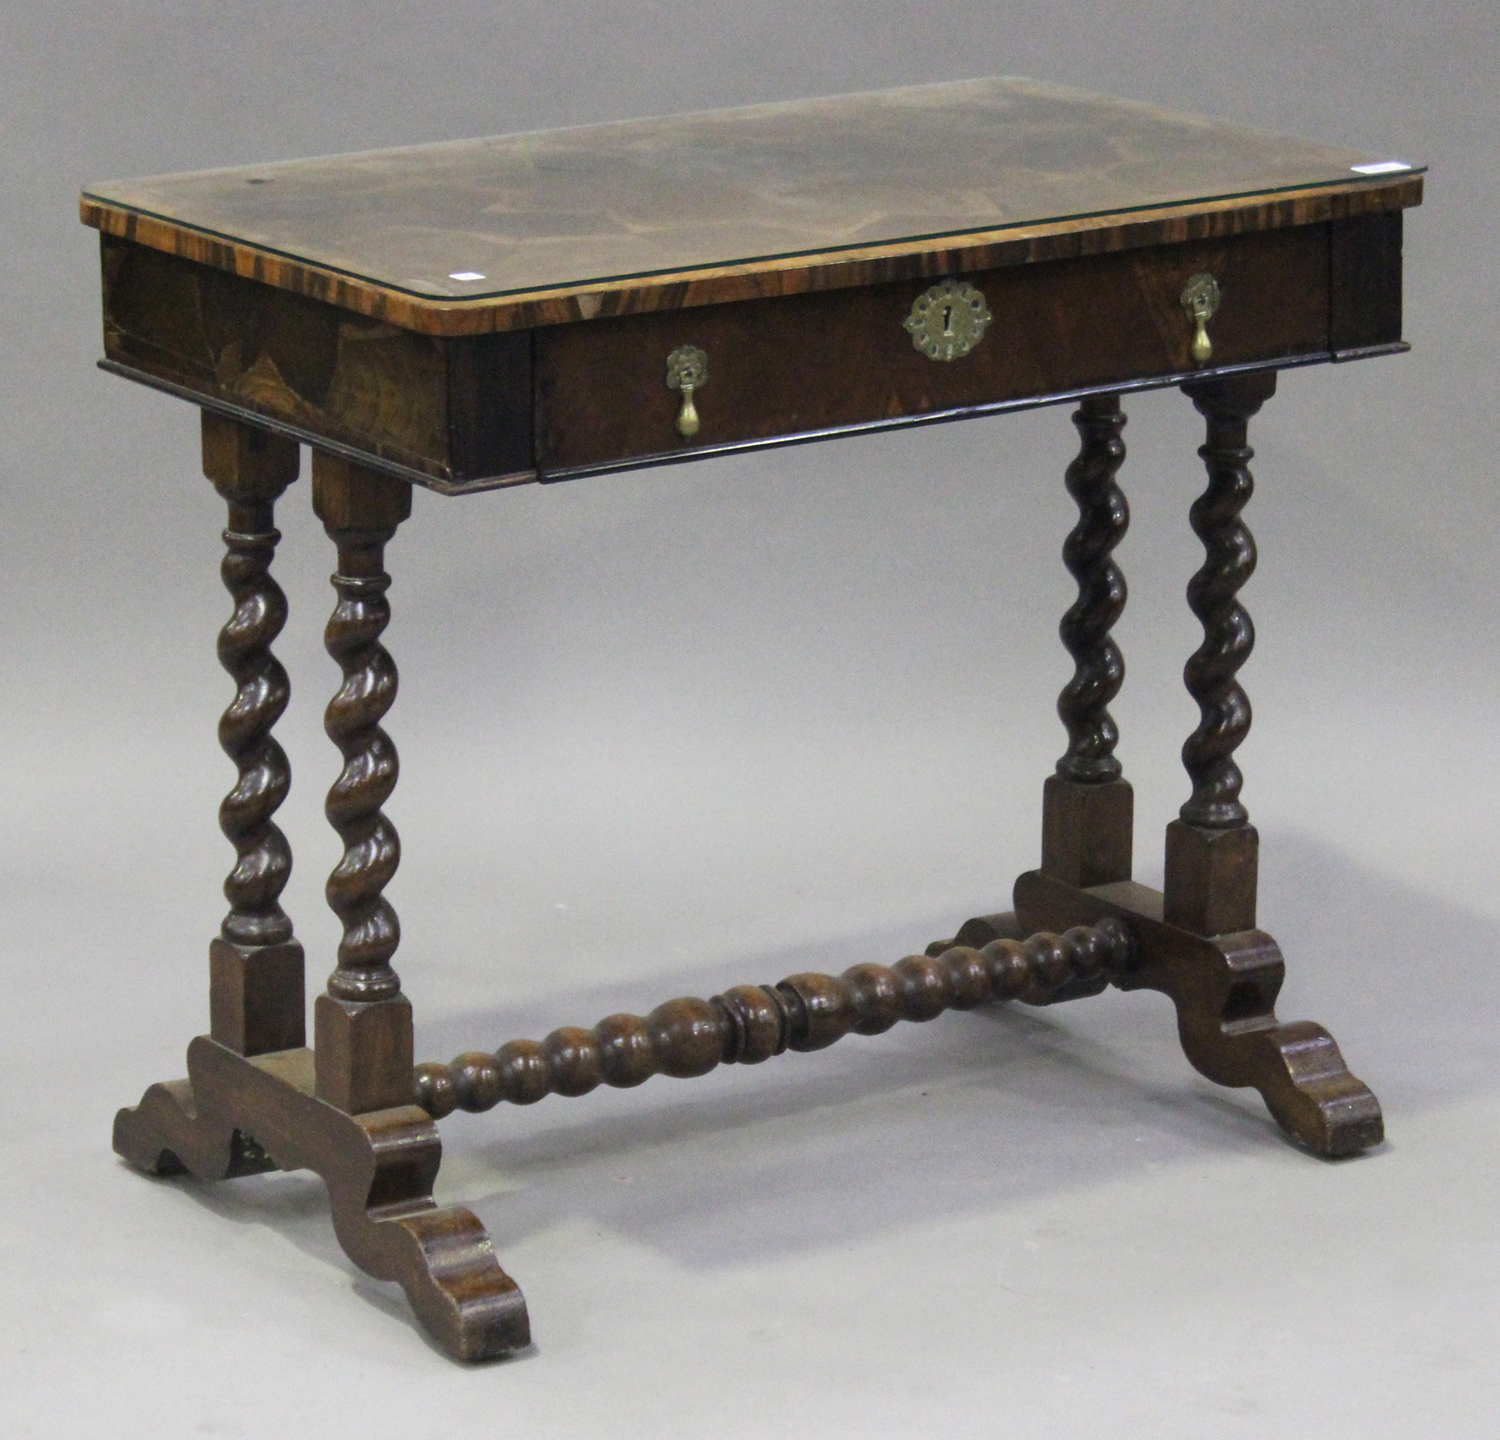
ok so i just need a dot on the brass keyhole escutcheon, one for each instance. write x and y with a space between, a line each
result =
687 370
1200 298
948 320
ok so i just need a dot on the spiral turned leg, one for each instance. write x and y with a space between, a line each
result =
1099 668
1196 941
1087 805
1212 847
363 1023
1087 808
255 1099
255 965
377 1152
256 1000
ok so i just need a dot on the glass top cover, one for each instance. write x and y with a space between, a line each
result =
733 188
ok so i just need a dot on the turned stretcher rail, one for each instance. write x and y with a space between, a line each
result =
751 1023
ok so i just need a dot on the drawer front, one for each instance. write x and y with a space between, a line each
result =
841 359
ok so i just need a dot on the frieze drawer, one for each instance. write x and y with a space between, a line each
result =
843 359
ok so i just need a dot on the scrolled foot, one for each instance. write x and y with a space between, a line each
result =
1224 988
167 1135
379 1169
1307 1087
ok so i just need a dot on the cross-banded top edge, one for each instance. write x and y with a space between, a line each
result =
555 226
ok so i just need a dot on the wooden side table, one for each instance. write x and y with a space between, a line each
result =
541 307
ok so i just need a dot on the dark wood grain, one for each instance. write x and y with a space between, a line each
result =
490 409
771 279
457 414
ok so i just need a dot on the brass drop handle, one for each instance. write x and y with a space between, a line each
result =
1200 298
687 370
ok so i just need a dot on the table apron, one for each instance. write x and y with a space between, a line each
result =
466 413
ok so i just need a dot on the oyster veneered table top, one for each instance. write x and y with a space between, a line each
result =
485 225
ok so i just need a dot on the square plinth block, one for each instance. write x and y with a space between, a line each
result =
1211 878
364 1053
1086 831
256 1003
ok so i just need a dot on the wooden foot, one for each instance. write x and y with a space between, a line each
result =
1224 988
240 1116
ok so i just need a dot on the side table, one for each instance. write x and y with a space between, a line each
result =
541 307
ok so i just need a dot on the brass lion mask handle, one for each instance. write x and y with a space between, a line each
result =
687 370
1200 298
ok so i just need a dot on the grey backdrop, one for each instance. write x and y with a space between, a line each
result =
675 730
